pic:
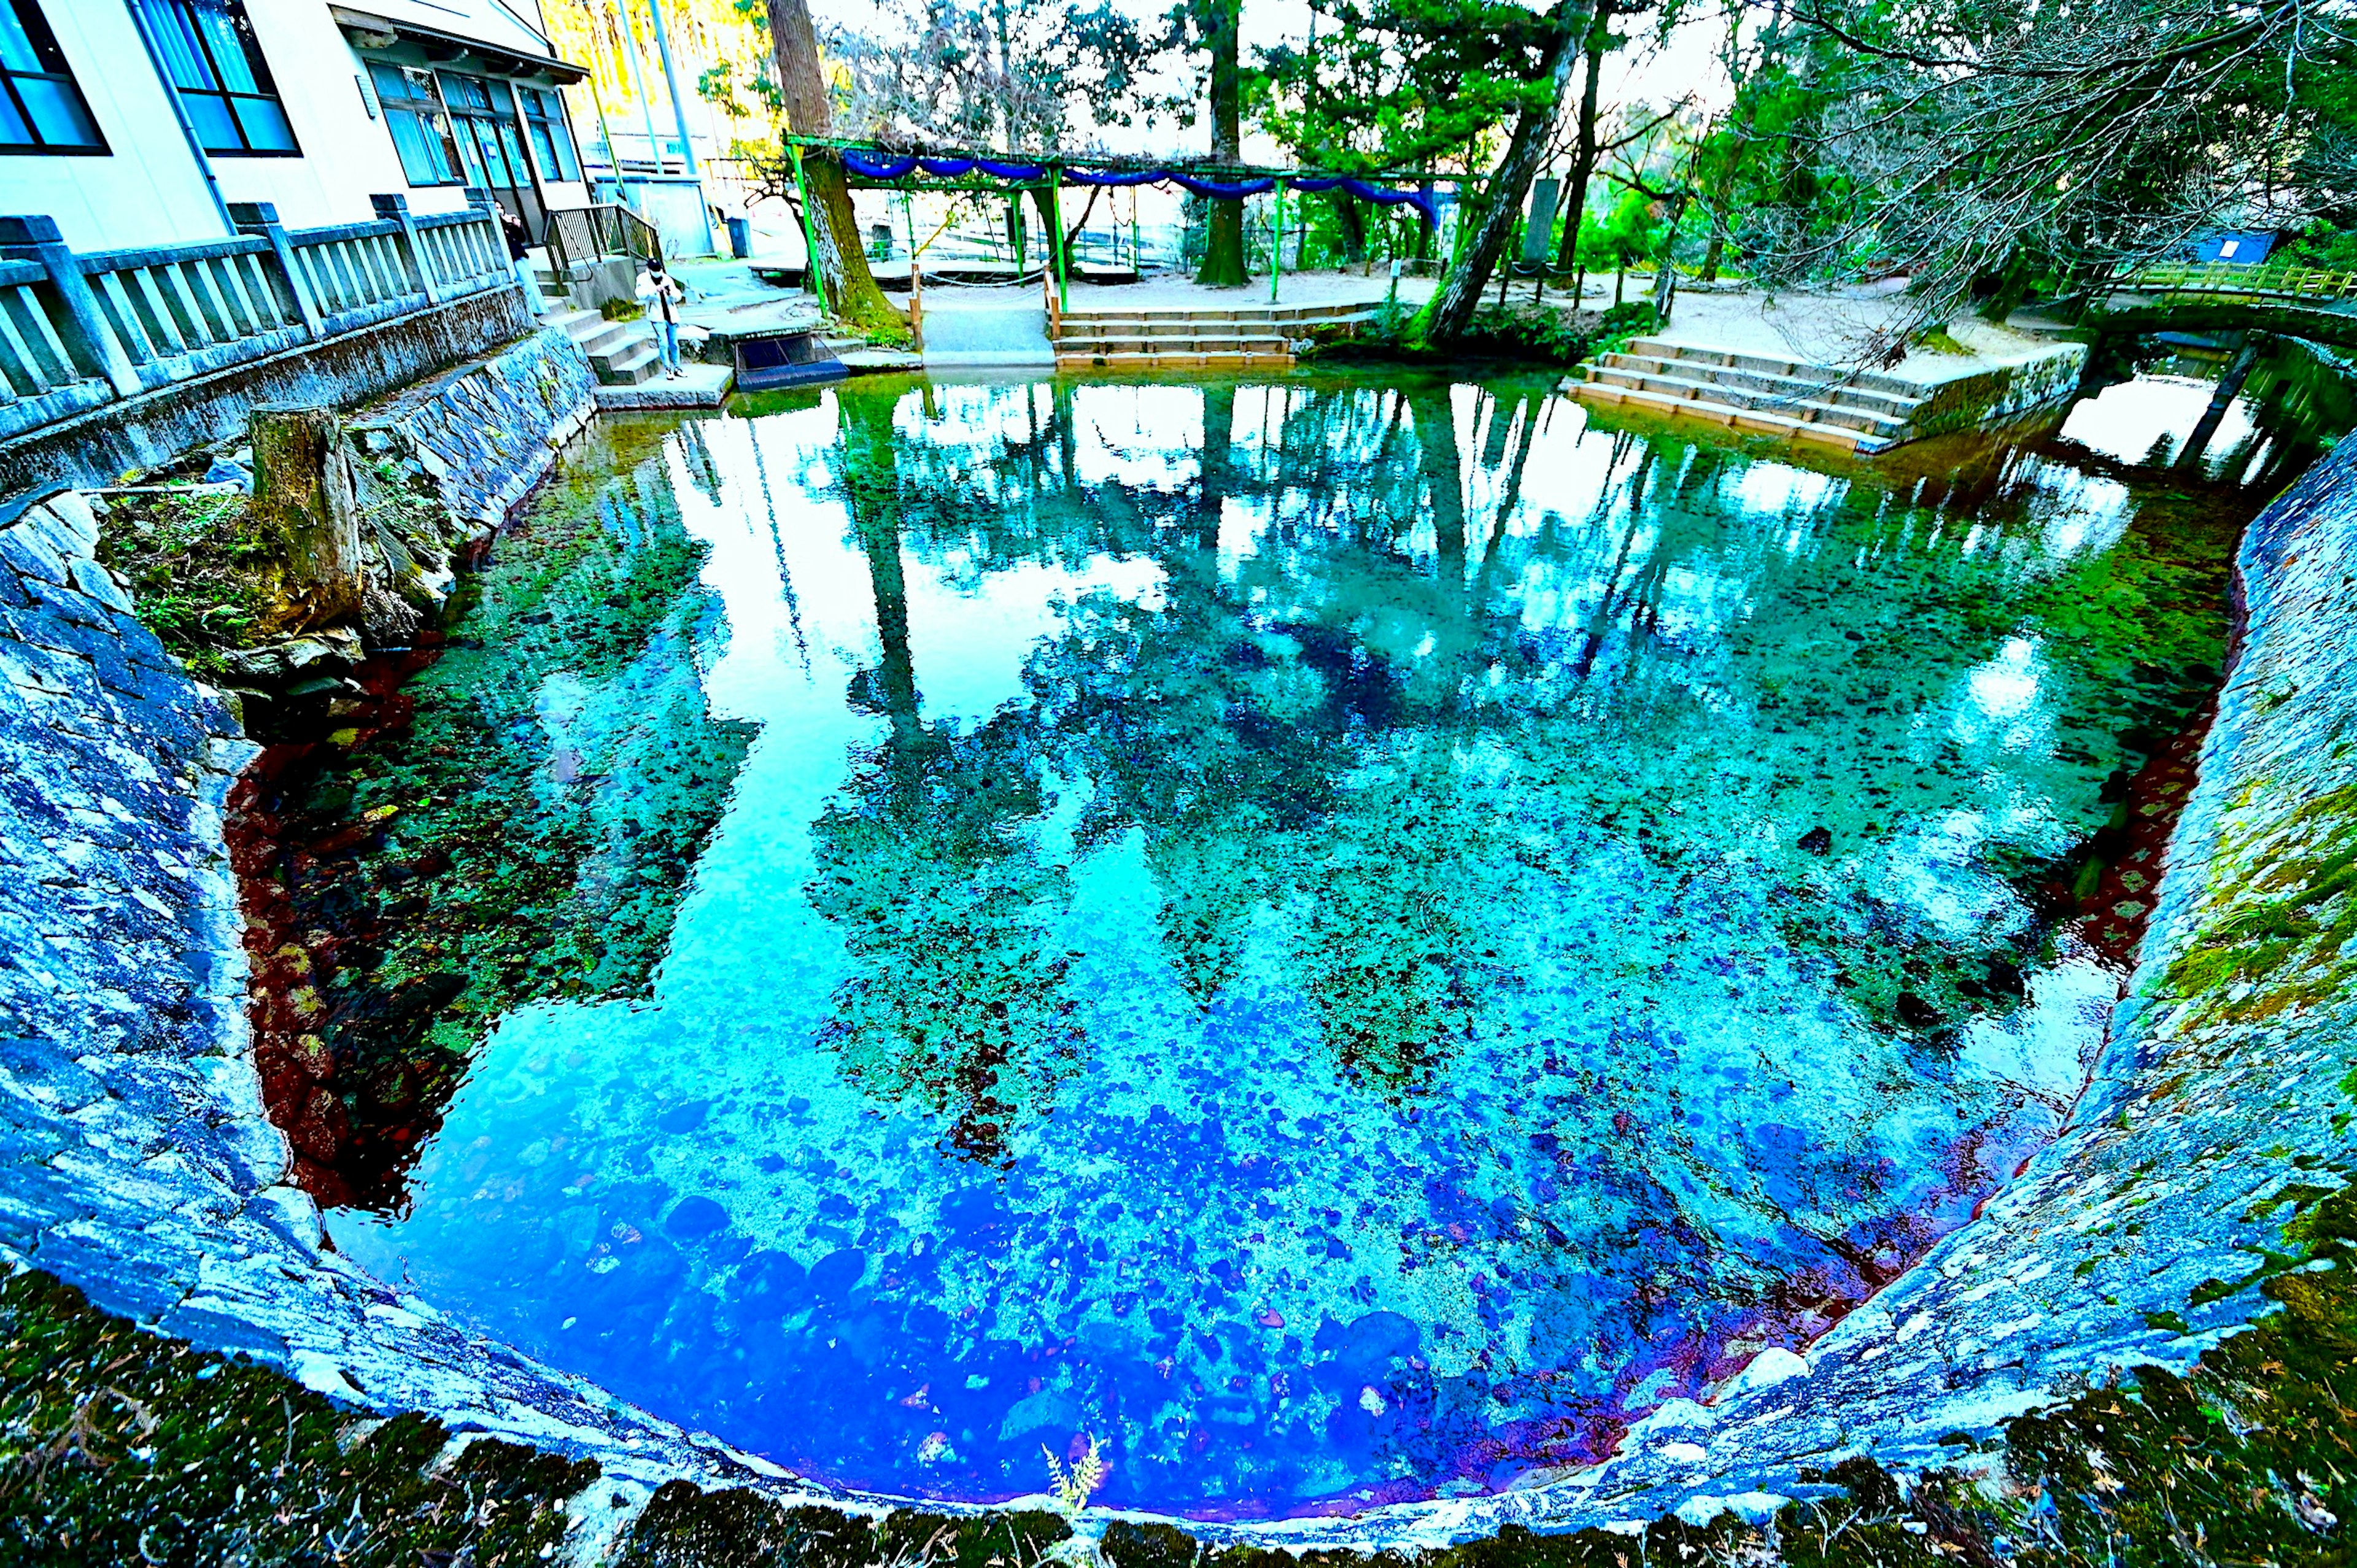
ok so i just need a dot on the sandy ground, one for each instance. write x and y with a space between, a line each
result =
1835 327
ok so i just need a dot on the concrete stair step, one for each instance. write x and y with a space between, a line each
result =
1735 418
1205 330
634 363
1830 388
574 323
1791 407
1169 358
1766 364
611 337
1128 345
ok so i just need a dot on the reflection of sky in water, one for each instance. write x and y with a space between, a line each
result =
2129 420
1434 1042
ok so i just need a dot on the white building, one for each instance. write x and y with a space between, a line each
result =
138 122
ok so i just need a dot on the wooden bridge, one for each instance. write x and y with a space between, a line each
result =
2226 280
2314 303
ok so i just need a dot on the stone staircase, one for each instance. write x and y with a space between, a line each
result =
622 352
1150 337
1860 409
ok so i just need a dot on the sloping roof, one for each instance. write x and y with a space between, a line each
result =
519 53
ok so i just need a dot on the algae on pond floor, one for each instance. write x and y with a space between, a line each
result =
1346 936
519 827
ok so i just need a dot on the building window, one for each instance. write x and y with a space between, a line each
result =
551 138
210 55
42 110
420 127
484 117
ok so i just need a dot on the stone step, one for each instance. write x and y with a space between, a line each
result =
1833 387
1264 315
1735 418
635 363
1766 364
1093 343
1168 359
1713 392
1204 330
610 337
574 323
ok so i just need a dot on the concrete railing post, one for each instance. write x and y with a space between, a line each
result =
395 209
88 340
262 218
488 231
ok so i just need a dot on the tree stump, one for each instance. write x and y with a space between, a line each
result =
304 505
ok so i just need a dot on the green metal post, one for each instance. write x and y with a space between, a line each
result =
1276 238
810 235
1015 204
1056 252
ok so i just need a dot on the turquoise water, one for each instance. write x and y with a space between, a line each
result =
1342 938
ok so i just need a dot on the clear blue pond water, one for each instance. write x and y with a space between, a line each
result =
1340 936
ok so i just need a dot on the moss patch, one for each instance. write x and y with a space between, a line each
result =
117 1446
203 576
2275 942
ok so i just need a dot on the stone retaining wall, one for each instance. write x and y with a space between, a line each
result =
135 1160
2005 395
100 446
485 432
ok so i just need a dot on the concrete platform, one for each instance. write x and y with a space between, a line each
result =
699 386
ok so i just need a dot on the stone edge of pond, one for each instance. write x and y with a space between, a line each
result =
140 1167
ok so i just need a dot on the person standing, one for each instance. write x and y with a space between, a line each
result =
662 294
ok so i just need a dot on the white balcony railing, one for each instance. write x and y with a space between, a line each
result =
79 329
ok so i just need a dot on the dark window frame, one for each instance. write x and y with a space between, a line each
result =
44 41
257 65
503 125
432 113
552 125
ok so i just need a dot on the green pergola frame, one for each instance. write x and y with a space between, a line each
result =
1053 182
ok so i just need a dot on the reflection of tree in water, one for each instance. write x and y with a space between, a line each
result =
1356 725
923 861
526 830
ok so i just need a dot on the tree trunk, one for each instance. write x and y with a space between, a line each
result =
839 261
302 504
1351 219
1583 162
1224 237
1460 293
1665 271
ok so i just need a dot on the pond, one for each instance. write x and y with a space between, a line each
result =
1340 937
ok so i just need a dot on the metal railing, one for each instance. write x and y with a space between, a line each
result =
578 234
2270 279
80 329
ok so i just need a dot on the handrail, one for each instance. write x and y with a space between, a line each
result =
580 234
2273 278
79 329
